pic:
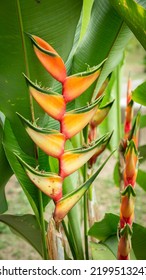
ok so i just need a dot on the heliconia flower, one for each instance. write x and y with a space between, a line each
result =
49 58
50 141
127 202
76 84
75 120
66 203
73 159
124 245
49 183
51 102
101 114
131 158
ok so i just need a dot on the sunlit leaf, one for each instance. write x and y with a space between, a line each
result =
139 94
134 14
106 38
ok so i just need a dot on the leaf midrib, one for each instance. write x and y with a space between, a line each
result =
25 54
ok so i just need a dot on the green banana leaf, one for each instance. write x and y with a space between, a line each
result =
11 146
26 227
101 252
106 232
134 14
54 21
106 38
139 94
5 173
141 178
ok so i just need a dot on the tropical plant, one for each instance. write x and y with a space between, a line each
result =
62 114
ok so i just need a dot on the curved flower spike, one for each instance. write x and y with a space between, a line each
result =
51 102
49 58
49 183
50 141
76 84
73 159
75 120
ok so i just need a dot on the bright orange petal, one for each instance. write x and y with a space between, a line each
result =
64 205
52 104
73 123
75 85
131 160
127 206
51 144
75 120
49 58
72 160
50 141
51 186
49 183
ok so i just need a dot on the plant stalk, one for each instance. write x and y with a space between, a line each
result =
86 202
43 230
118 102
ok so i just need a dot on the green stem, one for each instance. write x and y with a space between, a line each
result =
86 202
118 103
25 54
70 241
42 222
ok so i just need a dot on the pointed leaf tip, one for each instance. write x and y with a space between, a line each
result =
74 121
76 84
49 183
49 58
64 205
50 141
101 114
72 160
51 102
